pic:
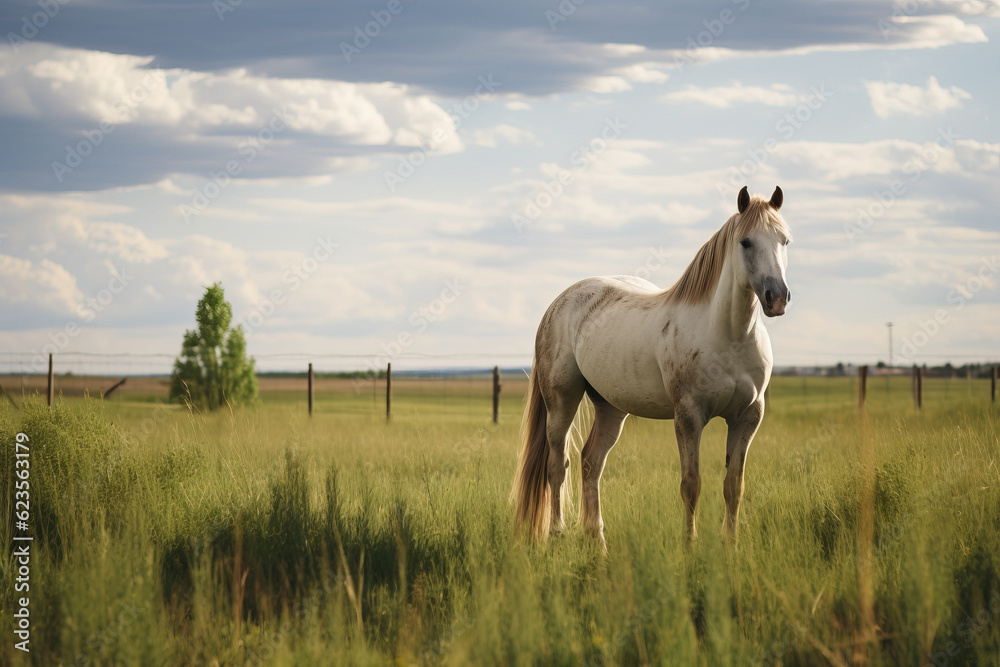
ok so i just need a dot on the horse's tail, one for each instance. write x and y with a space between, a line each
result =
531 485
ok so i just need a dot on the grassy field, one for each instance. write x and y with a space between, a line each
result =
261 536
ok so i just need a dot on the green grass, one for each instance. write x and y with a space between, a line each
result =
166 537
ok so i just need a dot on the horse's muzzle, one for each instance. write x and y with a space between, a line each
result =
774 305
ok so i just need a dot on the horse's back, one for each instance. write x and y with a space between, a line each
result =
640 284
607 330
592 304
602 290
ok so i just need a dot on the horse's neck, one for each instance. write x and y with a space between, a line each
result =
733 309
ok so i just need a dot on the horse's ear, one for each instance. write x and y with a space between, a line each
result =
743 200
777 198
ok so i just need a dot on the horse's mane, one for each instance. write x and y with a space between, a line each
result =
698 281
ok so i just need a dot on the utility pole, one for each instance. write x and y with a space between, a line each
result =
889 324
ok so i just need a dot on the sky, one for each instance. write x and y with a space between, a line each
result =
416 181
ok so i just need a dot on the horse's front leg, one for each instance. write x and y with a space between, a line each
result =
689 422
741 432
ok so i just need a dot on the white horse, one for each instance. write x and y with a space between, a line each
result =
689 353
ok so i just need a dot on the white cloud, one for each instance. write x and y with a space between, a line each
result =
935 31
609 191
620 79
421 216
903 32
964 7
606 84
825 161
123 89
891 99
643 73
504 133
977 155
114 239
724 97
40 284
87 251
618 50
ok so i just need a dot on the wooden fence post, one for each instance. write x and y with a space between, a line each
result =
310 389
388 391
496 394
113 387
862 385
920 388
993 386
51 388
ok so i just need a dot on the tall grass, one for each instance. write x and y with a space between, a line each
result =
259 536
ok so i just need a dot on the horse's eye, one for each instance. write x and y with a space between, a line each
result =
745 243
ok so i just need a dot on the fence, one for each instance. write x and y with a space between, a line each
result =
916 375
450 389
346 384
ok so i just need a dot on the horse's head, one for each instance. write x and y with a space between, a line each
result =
763 238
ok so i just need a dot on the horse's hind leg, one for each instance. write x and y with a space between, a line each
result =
562 390
608 421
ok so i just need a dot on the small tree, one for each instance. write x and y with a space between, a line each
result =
213 367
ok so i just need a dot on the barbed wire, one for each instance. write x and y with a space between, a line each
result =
86 362
453 355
